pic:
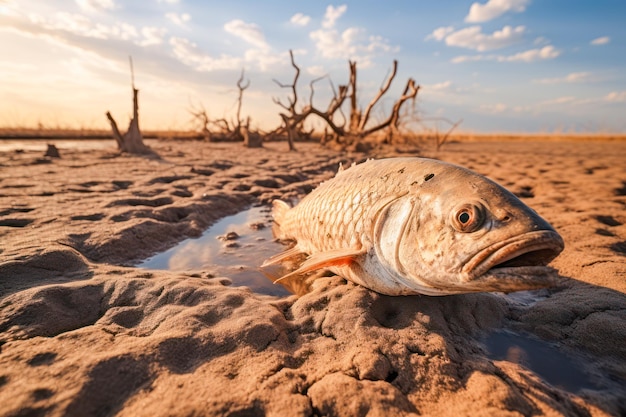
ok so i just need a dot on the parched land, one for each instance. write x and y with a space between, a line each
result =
84 332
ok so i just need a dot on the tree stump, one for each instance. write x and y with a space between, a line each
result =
251 139
52 151
132 140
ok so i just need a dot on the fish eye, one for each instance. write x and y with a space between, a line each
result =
468 218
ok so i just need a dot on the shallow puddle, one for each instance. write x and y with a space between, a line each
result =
543 358
233 247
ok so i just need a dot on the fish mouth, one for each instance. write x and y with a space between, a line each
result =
518 263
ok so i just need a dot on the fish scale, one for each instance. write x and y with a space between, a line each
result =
341 214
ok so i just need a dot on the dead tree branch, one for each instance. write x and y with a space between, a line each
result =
410 92
355 112
381 92
237 131
311 87
439 139
358 121
334 105
293 119
200 118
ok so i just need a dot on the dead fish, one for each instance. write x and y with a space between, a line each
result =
403 226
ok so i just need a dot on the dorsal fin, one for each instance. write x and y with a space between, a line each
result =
279 210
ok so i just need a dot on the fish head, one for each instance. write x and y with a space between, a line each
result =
461 232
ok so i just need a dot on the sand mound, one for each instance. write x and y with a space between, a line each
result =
82 332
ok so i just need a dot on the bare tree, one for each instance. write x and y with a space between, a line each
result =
360 126
334 107
293 120
358 123
440 139
132 140
200 119
241 86
223 129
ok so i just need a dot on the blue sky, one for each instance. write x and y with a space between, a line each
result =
500 65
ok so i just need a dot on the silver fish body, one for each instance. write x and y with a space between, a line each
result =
404 226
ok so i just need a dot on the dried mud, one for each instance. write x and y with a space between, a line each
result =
83 332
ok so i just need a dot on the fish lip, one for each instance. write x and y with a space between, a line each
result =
544 244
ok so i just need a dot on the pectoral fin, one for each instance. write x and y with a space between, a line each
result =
282 257
327 259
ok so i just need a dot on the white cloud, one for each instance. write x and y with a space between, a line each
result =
332 44
440 33
96 5
470 58
152 36
600 41
352 43
612 97
300 19
265 60
574 77
378 43
188 53
316 71
442 86
81 25
564 102
493 108
9 8
558 101
473 38
124 31
249 32
178 19
616 97
449 91
169 1
547 52
494 8
332 14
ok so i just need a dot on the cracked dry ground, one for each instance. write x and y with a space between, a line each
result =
85 333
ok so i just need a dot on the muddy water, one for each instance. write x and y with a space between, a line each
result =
234 247
541 357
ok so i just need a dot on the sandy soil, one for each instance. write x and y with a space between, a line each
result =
84 333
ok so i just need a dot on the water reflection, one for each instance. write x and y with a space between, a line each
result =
12 145
234 247
543 358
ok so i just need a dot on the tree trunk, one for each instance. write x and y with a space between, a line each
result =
355 112
291 128
250 139
132 140
117 135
